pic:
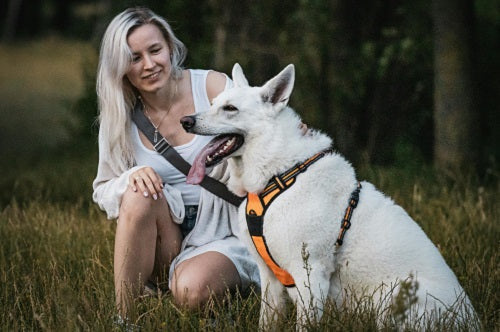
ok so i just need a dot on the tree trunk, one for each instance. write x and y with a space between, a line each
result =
454 121
220 32
11 20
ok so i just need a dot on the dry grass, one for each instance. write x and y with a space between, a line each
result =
56 247
56 255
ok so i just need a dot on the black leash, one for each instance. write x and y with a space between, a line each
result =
172 156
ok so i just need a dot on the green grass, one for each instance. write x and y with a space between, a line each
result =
56 247
41 82
56 253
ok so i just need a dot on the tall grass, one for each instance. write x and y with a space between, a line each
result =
56 247
56 253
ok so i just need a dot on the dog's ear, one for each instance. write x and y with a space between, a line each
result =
278 89
238 76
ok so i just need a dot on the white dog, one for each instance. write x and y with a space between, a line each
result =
384 247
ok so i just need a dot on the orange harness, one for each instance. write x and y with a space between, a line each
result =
257 206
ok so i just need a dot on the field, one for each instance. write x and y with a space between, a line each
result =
56 246
41 82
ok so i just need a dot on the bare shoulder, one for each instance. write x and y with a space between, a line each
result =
216 82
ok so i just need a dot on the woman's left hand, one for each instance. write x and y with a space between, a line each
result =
147 181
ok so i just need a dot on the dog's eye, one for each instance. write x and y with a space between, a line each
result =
229 108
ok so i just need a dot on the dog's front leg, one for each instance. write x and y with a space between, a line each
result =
312 291
273 301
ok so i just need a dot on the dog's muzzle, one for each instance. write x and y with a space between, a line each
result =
188 122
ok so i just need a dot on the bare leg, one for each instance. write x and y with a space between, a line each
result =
202 276
145 234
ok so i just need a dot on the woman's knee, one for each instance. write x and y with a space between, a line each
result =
135 206
190 291
196 280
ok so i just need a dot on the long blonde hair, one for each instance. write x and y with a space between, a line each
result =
116 95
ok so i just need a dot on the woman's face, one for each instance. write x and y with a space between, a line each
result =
150 67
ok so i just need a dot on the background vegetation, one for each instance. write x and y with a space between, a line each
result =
365 74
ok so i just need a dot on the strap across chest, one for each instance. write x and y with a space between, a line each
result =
257 205
256 208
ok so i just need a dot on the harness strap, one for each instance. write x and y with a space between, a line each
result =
173 157
346 222
256 208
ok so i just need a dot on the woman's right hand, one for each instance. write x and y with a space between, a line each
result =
147 181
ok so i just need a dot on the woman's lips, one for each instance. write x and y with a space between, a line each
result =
152 76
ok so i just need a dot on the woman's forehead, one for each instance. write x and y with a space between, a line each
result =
145 36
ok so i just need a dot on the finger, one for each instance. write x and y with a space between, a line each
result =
141 186
150 182
133 179
150 188
156 182
159 185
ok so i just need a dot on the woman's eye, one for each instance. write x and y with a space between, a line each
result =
156 51
136 58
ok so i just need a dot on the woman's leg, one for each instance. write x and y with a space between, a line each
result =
146 240
198 278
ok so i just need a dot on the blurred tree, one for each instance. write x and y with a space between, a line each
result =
221 26
12 16
454 113
363 75
364 69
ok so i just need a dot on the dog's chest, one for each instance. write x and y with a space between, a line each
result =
296 225
303 220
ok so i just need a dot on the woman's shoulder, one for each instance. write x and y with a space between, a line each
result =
215 82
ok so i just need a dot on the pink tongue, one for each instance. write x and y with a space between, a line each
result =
198 169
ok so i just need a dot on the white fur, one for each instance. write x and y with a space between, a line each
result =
383 246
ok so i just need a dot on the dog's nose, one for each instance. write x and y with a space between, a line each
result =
188 122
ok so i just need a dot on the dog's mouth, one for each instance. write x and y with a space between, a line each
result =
213 153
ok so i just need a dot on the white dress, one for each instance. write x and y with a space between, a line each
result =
216 223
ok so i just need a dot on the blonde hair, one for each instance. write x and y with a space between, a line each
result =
116 95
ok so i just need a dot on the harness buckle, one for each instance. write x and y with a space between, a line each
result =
162 146
353 202
279 182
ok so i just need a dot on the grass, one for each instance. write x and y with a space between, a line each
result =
56 253
41 82
56 247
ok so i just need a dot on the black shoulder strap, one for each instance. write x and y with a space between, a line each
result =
162 147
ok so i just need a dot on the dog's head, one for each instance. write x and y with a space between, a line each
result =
233 117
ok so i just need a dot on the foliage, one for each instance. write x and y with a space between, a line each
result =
364 68
57 249
41 81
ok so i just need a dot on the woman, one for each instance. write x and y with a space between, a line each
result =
166 228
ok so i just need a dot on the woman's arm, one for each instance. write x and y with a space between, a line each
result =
216 83
109 184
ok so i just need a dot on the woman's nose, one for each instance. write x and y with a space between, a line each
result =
148 62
